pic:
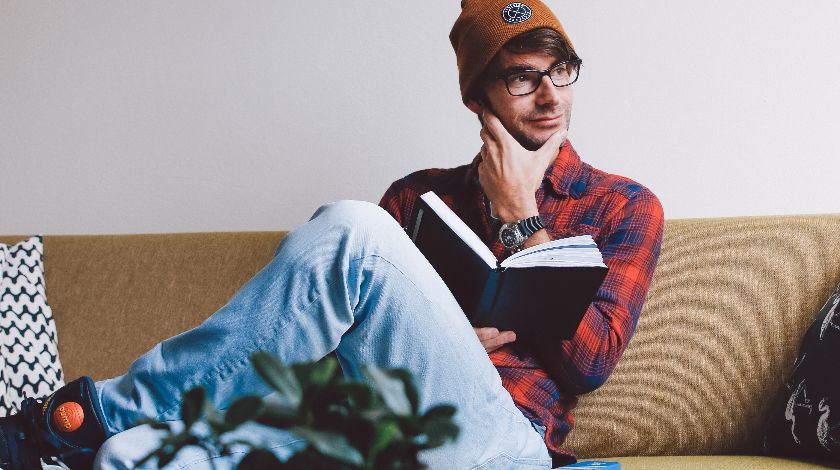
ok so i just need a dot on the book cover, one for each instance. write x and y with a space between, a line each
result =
594 465
541 293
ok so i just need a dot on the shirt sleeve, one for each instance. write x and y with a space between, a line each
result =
398 200
630 247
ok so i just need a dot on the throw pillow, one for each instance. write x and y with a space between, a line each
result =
805 421
29 364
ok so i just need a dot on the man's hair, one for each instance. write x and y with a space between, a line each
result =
544 40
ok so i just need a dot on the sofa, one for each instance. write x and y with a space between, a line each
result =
728 306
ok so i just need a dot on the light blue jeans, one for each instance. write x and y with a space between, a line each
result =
349 281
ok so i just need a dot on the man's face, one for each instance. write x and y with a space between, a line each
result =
530 119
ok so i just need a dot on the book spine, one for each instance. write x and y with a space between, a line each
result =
417 219
489 295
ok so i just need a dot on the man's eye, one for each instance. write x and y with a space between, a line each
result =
521 78
562 71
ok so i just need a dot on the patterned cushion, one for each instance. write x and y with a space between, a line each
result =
805 422
29 365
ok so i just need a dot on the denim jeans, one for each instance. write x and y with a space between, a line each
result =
348 281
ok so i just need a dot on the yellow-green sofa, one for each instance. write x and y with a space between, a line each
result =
729 303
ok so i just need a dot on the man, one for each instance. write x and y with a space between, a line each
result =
350 281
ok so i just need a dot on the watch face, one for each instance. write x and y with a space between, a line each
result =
510 236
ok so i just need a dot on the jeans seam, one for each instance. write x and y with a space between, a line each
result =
209 458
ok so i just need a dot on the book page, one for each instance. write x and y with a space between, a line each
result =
460 228
573 251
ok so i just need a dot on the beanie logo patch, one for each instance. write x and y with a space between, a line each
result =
515 13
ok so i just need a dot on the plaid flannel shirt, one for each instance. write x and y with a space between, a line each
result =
626 221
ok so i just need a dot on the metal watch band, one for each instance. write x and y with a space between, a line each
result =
531 225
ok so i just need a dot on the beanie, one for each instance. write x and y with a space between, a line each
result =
484 26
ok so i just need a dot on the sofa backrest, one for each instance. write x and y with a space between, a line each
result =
728 305
115 296
727 308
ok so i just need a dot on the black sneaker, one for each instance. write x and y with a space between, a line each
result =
66 427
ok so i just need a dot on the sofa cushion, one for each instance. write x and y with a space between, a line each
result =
716 462
29 364
805 421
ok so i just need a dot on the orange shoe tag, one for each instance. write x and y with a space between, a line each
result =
68 417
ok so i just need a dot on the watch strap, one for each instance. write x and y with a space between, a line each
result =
531 225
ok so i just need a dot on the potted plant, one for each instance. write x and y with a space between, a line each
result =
373 424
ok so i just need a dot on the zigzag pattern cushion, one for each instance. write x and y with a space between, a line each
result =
29 364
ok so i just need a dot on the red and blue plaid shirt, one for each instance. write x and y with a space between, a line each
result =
626 221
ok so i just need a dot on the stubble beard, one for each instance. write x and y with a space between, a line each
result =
529 142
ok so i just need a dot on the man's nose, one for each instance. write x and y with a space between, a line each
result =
547 93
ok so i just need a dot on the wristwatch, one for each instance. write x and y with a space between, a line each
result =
514 234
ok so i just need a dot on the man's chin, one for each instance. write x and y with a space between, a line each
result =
537 137
533 142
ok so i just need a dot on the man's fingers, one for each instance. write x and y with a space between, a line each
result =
486 136
502 339
487 333
492 338
495 128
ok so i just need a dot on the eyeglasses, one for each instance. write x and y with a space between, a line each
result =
525 82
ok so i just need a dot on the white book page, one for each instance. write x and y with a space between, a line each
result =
573 251
464 232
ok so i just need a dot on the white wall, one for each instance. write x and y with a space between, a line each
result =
160 116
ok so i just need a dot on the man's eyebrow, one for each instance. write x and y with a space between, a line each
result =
513 68
523 66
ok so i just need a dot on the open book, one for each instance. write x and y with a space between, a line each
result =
540 293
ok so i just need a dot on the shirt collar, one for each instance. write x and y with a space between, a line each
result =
567 176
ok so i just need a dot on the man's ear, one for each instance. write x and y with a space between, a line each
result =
475 106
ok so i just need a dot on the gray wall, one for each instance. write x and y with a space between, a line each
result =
160 116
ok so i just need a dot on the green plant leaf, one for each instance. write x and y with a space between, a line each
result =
242 410
278 415
323 371
155 454
360 394
166 458
192 406
438 432
154 424
259 459
439 411
410 387
391 389
280 377
386 432
331 444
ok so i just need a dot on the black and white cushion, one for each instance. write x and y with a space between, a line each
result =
29 364
805 422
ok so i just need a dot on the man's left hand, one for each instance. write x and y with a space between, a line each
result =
509 173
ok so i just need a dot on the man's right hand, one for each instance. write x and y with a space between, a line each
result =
493 339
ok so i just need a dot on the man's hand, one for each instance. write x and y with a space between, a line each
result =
509 173
493 339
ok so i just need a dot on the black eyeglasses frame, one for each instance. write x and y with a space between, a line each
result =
547 72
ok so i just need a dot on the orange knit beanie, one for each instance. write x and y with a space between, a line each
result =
484 26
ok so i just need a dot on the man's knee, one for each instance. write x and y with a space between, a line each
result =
351 213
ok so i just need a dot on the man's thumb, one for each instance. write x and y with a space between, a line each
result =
553 144
550 149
